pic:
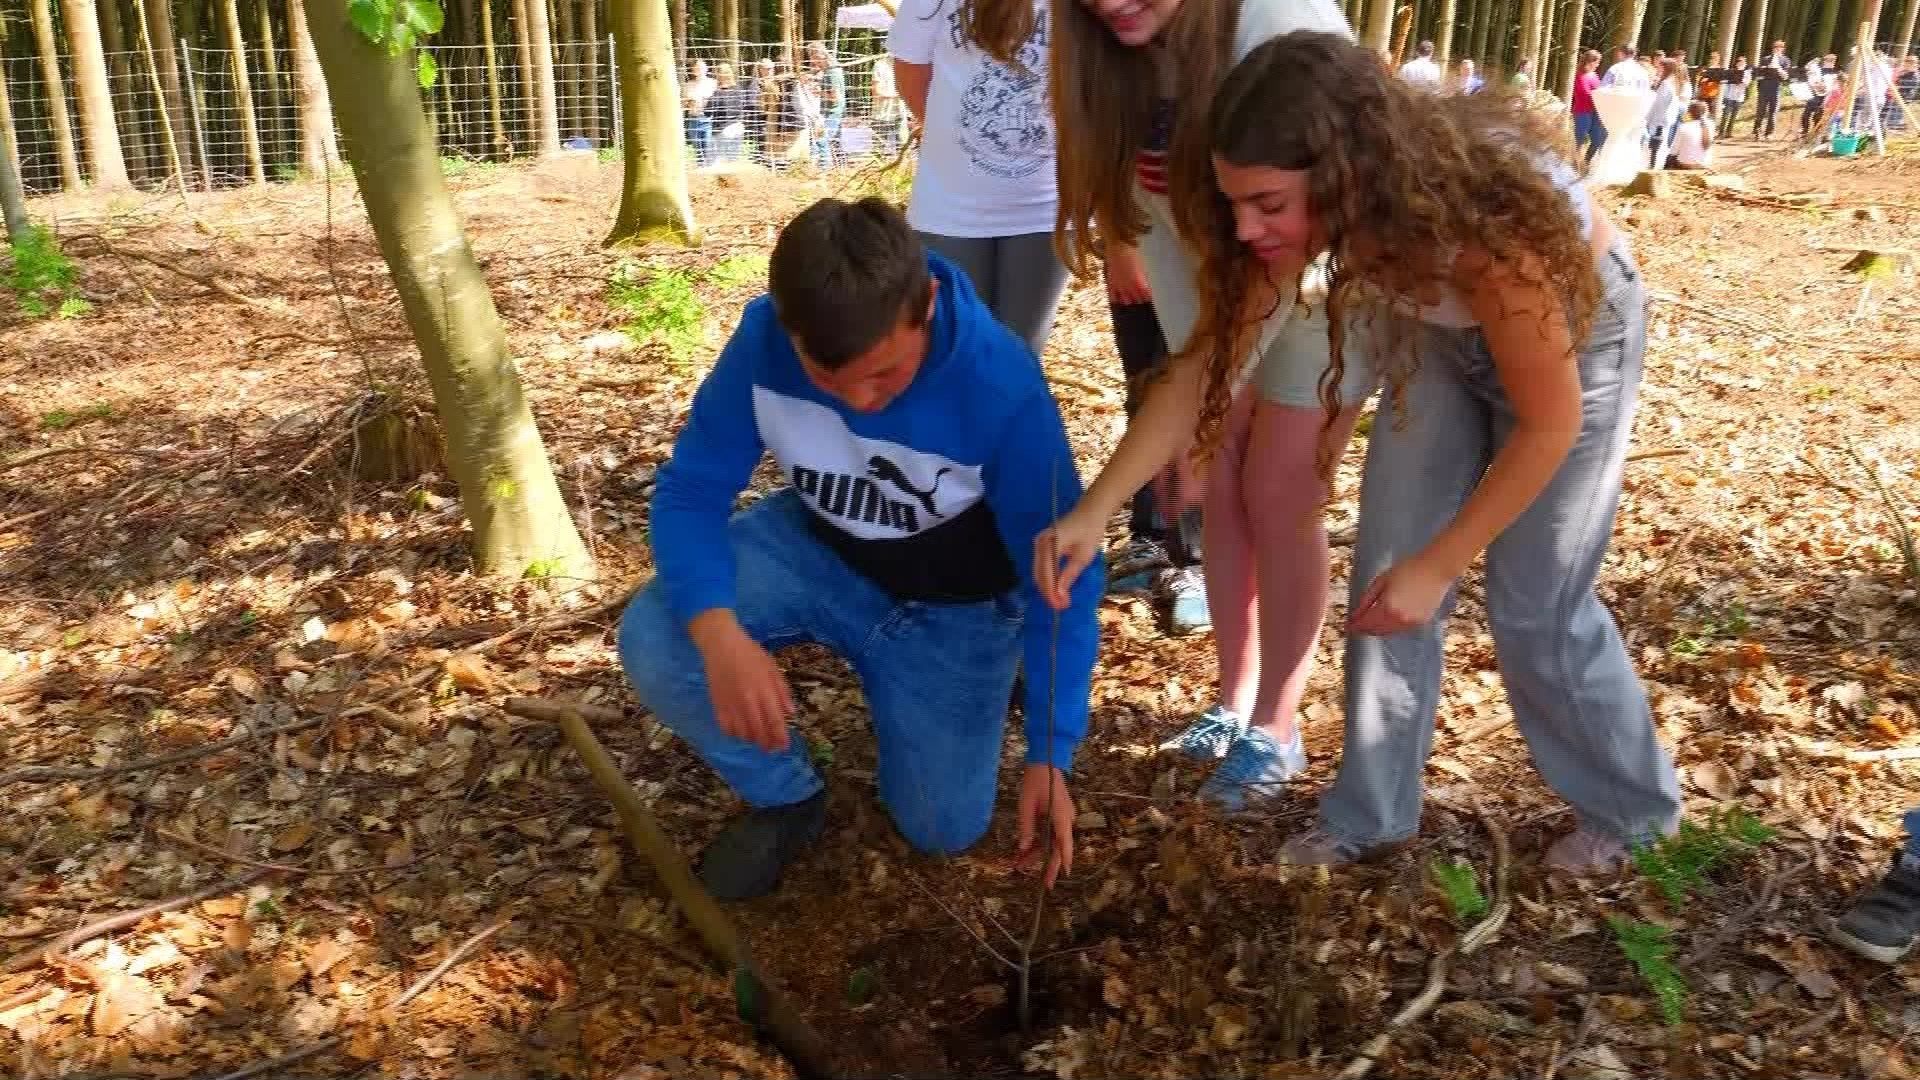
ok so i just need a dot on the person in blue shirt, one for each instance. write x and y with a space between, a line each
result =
922 453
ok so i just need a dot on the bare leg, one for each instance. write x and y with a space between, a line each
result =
1230 565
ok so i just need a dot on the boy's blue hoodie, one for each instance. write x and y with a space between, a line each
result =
935 498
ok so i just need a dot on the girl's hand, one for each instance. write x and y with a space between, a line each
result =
1403 598
1061 553
1126 276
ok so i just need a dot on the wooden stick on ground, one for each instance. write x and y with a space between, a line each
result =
760 1002
24 960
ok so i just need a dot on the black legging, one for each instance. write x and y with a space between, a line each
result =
1729 112
1143 351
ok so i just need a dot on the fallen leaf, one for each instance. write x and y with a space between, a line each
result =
244 683
1715 778
161 953
399 853
120 1002
293 838
470 672
1800 961
1560 975
325 953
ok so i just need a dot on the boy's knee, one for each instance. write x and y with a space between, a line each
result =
948 833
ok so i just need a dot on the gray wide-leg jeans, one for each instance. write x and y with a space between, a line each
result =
1573 690
1019 277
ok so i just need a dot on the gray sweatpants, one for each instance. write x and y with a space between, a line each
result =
1019 277
1573 691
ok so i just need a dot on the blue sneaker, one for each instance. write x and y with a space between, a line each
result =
1185 591
1256 767
1210 734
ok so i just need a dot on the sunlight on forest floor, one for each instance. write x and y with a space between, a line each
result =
193 561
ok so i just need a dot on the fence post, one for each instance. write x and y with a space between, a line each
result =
613 73
199 124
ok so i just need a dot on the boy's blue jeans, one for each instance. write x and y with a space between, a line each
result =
1569 680
937 677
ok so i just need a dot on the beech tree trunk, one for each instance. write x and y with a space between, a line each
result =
590 30
93 91
1443 34
545 109
1906 29
270 64
653 189
1822 42
1379 32
242 89
567 78
679 15
156 20
520 522
523 54
1729 29
13 197
319 150
1692 18
501 144
56 87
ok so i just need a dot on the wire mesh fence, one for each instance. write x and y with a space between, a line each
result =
744 101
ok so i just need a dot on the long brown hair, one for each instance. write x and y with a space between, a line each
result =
1399 179
998 27
1104 95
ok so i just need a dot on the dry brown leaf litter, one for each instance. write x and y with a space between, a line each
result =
184 583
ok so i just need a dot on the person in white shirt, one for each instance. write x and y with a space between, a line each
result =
1421 71
984 193
1693 140
1818 83
1669 97
693 99
1465 81
1626 72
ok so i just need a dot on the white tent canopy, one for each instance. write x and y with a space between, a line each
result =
863 17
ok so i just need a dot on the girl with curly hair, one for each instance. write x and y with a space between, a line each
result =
1512 329
1130 84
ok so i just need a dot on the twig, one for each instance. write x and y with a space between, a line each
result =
1649 455
22 961
1482 932
1079 384
1894 514
207 280
1736 924
1588 1014
419 987
978 938
1759 326
63 451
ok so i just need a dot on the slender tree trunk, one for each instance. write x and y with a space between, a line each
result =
590 30
1570 38
523 54
163 55
653 189
170 129
1823 35
751 25
1626 24
1729 29
13 197
493 448
1694 15
546 111
789 35
678 10
275 99
502 147
568 75
1379 31
1530 34
94 94
728 18
1476 41
319 150
1757 40
114 43
56 87
242 89
1905 44
1443 34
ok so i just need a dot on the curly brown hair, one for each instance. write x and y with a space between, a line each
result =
1399 180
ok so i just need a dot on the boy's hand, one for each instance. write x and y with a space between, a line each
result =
1044 803
751 698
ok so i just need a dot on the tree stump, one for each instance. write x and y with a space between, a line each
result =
1651 184
395 441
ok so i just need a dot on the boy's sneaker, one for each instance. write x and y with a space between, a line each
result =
1316 847
1185 591
1884 920
1210 735
748 856
1257 766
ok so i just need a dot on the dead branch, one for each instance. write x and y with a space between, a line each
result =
1588 1014
1649 455
65 451
420 986
1895 517
761 1003
1757 325
24 960
1739 923
1482 932
208 281
1081 385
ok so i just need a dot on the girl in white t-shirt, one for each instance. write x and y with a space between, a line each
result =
1512 365
1131 84
983 189
1692 140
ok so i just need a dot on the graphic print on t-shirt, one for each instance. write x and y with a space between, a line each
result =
1006 127
868 488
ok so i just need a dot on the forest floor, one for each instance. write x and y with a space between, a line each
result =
195 561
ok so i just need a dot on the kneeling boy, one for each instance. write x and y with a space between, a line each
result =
922 453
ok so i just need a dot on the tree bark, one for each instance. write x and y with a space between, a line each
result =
493 448
1570 37
172 134
653 189
1822 41
501 145
790 38
728 18
567 77
590 30
274 99
1626 24
1729 29
1529 48
1757 40
1476 41
545 109
319 150
523 54
13 197
1443 34
1694 16
1906 29
93 91
679 13
242 89
113 41
156 20
1379 32
56 87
